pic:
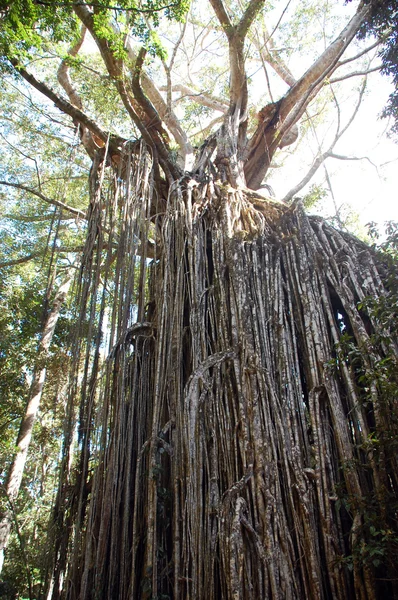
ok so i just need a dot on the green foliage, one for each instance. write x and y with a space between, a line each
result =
314 196
27 26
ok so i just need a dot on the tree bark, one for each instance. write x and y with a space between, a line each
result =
225 435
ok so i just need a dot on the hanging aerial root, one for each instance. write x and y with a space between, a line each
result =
224 431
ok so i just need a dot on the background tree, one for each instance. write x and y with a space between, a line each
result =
225 433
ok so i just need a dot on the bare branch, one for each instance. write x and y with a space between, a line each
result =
25 156
270 36
74 211
355 111
343 157
365 51
207 129
199 97
355 74
272 57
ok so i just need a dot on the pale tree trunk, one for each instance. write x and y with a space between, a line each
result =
17 466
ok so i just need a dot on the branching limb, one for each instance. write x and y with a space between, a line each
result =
270 54
140 110
232 139
168 116
320 70
207 130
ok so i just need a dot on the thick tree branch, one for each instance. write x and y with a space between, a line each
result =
270 54
63 72
69 109
152 116
115 70
322 67
232 136
249 16
222 16
168 116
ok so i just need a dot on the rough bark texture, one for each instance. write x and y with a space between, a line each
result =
215 438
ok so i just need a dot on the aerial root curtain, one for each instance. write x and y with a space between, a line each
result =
217 437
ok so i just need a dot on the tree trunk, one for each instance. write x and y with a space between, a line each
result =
221 438
17 466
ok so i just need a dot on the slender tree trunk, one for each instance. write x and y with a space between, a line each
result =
17 466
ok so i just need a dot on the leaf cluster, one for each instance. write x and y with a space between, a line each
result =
26 24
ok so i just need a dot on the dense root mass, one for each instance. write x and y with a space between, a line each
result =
221 441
